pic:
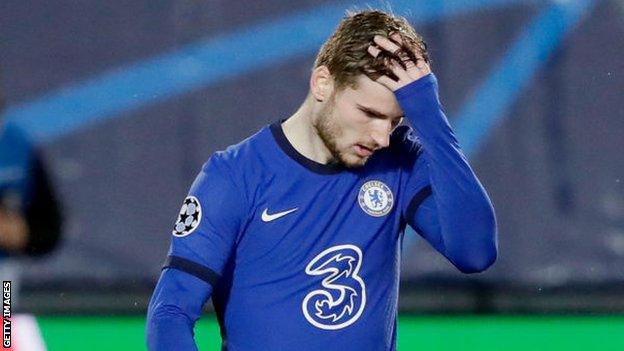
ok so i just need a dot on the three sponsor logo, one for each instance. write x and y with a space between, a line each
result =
340 299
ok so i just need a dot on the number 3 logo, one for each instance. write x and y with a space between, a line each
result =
342 299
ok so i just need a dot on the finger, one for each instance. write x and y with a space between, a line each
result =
420 59
373 50
423 66
409 65
396 37
408 58
386 44
404 57
388 83
398 70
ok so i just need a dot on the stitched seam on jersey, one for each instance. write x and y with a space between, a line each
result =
195 269
416 201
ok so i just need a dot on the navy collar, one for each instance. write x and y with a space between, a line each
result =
286 146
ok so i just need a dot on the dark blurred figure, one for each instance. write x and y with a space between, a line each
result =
30 217
30 220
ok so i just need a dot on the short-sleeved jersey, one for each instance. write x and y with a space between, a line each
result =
302 255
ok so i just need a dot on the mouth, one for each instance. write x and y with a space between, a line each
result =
362 150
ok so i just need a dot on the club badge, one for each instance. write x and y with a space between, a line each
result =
375 198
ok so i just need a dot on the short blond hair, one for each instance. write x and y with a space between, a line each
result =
345 52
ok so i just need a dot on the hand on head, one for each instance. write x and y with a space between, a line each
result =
407 64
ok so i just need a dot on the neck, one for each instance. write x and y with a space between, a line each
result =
300 131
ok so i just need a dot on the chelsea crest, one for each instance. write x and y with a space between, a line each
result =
375 198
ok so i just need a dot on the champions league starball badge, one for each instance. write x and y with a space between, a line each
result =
375 198
189 217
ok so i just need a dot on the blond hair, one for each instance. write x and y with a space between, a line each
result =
345 52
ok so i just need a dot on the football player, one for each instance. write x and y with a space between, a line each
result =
296 231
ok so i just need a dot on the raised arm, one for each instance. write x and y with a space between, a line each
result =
448 205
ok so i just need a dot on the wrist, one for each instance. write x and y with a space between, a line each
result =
415 87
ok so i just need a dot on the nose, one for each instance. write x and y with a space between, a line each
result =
381 133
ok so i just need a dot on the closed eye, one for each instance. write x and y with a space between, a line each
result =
377 115
372 114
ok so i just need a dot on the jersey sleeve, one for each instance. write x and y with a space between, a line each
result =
415 184
209 222
445 202
204 236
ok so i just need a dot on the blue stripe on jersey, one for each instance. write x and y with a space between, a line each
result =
204 273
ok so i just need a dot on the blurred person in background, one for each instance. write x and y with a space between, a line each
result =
30 216
295 232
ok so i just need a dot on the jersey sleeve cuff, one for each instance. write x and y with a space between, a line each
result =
412 88
202 272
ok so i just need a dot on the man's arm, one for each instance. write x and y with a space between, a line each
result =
203 239
173 310
453 212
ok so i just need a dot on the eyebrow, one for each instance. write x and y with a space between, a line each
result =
375 112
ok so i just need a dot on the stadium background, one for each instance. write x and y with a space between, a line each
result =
126 100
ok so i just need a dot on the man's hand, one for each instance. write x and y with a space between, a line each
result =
406 70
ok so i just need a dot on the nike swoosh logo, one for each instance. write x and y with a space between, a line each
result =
266 217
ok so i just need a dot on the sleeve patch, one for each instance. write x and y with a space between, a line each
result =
189 218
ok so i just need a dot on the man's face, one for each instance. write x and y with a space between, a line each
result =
354 123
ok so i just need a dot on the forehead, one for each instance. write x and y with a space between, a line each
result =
371 94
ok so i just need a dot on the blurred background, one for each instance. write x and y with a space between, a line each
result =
109 109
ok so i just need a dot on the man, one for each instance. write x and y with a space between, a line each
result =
30 216
296 231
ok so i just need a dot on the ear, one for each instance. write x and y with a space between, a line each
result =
321 83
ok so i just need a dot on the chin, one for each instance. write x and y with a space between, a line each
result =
353 161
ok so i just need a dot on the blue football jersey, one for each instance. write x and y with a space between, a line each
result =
299 255
15 169
15 166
